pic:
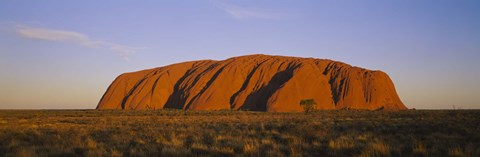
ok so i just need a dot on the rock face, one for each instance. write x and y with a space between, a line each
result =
254 83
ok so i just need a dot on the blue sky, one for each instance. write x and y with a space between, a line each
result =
64 54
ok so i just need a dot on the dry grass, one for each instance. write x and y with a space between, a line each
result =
224 133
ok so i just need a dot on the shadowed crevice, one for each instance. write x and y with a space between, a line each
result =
336 89
124 101
214 77
134 88
177 98
257 101
244 85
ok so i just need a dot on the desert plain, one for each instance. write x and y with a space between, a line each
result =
171 132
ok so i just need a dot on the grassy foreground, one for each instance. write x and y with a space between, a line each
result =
224 133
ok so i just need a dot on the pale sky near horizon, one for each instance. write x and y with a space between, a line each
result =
57 54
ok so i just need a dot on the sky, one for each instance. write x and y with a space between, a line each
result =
57 54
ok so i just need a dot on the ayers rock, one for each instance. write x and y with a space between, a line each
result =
254 83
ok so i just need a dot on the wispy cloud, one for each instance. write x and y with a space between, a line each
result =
240 12
74 37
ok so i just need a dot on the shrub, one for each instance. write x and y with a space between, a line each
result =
308 105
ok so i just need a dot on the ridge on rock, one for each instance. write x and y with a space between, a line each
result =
254 83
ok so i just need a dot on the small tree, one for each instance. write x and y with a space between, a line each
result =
308 105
